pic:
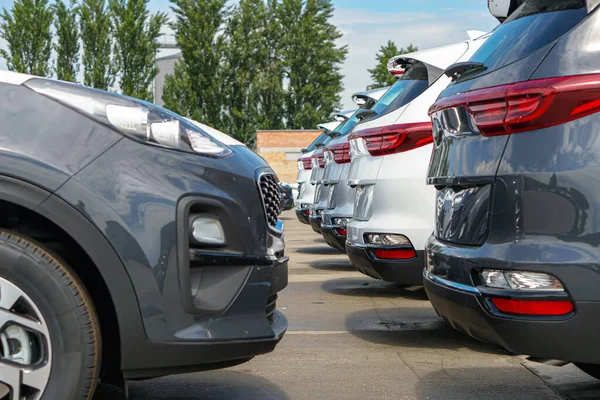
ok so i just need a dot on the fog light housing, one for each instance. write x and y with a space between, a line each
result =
385 239
521 280
207 230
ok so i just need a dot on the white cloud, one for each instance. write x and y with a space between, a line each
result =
365 31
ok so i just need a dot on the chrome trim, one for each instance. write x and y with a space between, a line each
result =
453 285
357 245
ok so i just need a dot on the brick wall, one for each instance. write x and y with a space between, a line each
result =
281 149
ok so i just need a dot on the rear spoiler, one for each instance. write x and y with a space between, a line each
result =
475 34
502 9
362 98
342 116
329 126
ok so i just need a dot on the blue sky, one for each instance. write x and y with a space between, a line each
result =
368 24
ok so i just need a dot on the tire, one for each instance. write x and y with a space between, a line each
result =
58 304
592 370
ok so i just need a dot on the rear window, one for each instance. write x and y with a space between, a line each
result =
317 141
348 125
414 82
532 26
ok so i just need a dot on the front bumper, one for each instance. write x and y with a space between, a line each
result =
333 238
573 339
401 272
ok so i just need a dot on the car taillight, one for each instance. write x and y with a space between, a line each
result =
306 163
533 307
319 159
529 105
395 138
340 152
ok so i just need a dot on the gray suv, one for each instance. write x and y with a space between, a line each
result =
133 243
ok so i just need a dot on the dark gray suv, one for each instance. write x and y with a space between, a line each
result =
133 243
515 257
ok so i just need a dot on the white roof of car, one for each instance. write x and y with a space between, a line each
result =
14 78
374 94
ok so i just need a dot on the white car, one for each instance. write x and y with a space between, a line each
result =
339 202
394 208
366 100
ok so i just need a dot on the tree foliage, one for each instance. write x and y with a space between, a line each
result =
96 37
67 41
136 34
312 61
27 31
198 30
380 74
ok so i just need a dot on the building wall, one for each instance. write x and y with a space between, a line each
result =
281 149
166 66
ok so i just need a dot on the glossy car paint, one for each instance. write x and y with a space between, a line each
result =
121 198
402 202
535 208
340 197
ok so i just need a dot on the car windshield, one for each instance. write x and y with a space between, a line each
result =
532 26
405 90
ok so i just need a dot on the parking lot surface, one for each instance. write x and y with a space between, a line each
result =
352 337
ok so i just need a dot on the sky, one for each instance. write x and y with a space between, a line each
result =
367 25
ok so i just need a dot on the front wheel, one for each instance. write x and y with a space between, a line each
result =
592 370
49 330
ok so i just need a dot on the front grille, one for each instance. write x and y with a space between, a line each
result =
270 193
271 307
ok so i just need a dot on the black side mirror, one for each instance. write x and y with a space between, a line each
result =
364 113
304 150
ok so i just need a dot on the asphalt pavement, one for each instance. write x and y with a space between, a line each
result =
352 337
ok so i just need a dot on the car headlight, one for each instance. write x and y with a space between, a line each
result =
137 119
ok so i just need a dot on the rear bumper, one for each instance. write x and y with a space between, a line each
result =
333 238
405 273
574 339
315 223
302 217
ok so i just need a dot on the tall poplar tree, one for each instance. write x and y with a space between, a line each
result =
312 60
136 34
96 37
380 75
67 41
26 29
198 30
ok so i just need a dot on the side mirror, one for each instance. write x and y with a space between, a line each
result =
365 114
502 9
304 150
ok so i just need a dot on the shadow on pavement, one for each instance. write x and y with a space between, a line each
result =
332 265
215 385
286 218
367 287
483 382
417 327
323 250
320 240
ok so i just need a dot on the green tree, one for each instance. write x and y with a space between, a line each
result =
198 29
26 29
67 43
380 75
312 61
96 37
178 94
247 72
136 34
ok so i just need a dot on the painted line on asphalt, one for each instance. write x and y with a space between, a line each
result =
323 277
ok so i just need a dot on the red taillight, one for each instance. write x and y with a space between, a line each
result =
306 162
395 138
341 231
395 254
319 156
533 307
529 105
341 152
306 212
